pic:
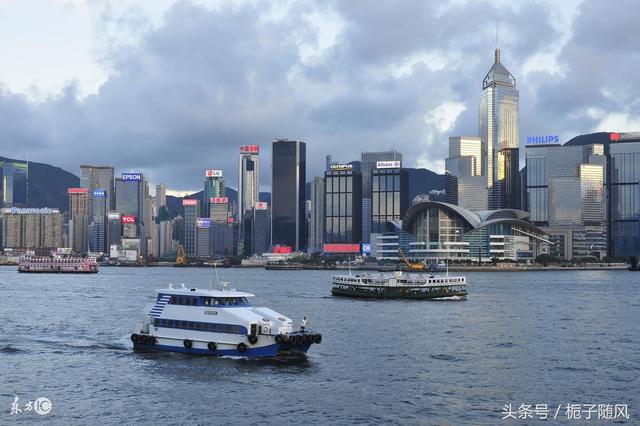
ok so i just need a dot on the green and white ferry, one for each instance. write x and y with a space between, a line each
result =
400 286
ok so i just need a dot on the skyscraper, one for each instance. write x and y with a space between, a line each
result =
191 211
131 192
213 187
78 219
343 204
289 167
390 194
565 195
317 222
248 179
161 197
98 177
368 161
13 184
499 131
98 220
464 185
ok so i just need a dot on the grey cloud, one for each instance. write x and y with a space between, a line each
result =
207 81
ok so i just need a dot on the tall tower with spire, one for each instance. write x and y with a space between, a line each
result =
499 131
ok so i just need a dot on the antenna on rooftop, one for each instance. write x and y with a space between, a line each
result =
497 58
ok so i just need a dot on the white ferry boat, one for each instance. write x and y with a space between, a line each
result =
400 286
218 323
29 262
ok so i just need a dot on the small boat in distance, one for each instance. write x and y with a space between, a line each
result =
58 264
400 286
218 323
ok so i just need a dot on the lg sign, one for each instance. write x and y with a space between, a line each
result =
128 219
213 173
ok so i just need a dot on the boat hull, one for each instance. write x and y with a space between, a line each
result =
397 293
30 271
264 350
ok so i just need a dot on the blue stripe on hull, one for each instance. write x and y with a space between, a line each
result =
261 352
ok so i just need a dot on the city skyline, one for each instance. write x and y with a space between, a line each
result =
412 92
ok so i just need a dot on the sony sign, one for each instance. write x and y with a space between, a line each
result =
213 173
550 139
133 177
395 164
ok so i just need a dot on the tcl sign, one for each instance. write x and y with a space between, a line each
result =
213 173
219 200
128 219
249 149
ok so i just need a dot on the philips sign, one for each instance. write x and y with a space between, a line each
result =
551 139
133 177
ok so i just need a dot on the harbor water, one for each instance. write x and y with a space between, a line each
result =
564 337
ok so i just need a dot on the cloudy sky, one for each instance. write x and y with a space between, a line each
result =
171 87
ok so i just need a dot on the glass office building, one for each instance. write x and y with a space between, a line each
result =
565 196
13 184
623 180
498 128
343 204
288 182
317 222
213 188
390 195
368 161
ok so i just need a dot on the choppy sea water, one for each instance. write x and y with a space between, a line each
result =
521 338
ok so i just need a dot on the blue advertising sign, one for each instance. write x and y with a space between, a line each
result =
366 248
99 193
135 177
203 222
551 139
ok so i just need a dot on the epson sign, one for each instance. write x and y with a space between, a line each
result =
134 177
551 139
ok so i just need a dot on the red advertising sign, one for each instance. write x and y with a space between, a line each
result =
219 200
189 202
341 248
249 149
230 220
261 205
77 191
277 249
614 137
128 219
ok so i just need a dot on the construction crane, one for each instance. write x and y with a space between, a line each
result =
181 258
413 266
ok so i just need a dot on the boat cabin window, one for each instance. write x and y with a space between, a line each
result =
207 301
200 326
